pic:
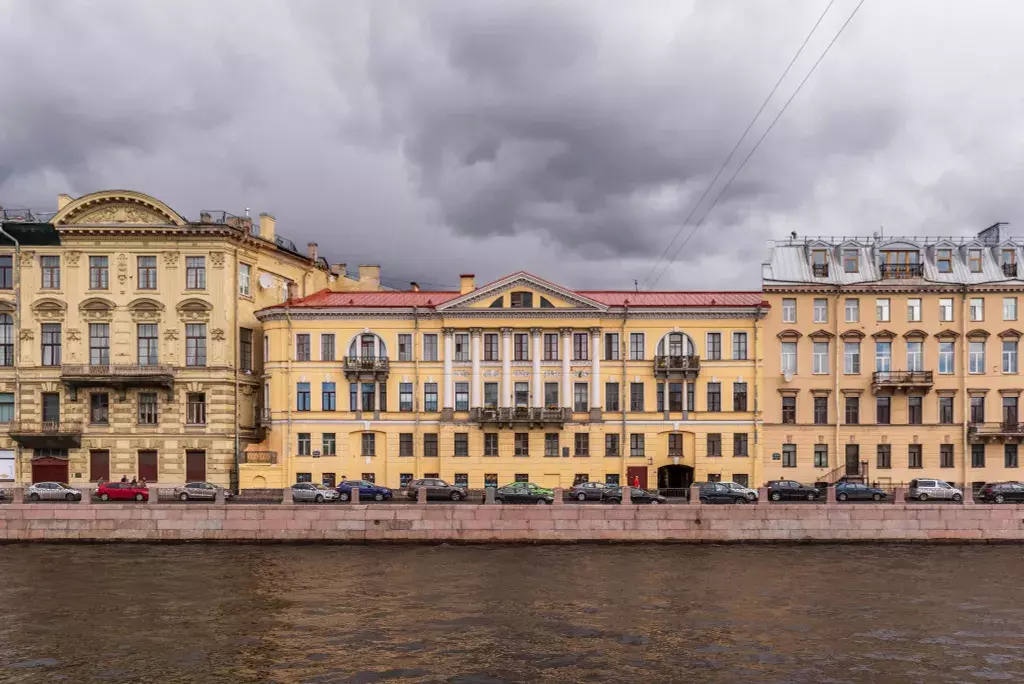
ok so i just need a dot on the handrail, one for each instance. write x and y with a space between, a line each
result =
685 362
115 369
45 427
261 457
366 363
902 377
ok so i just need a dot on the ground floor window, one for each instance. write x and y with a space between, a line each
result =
821 455
1011 455
522 477
580 478
789 455
369 477
327 480
461 479
714 477
742 479
195 465
946 456
303 477
884 456
914 458
977 455
99 465
404 479
491 480
612 479
149 466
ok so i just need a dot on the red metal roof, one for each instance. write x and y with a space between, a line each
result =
383 299
674 299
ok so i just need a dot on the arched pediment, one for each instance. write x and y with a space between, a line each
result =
116 207
145 310
49 309
6 306
97 309
915 335
194 309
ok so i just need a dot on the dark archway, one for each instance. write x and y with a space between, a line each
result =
675 477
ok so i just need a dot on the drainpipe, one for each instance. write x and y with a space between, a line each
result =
235 479
415 390
288 395
623 398
964 364
756 475
840 352
15 341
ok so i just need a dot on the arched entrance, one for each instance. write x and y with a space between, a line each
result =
675 477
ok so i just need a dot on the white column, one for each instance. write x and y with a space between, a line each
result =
506 366
449 387
474 351
538 378
566 358
595 368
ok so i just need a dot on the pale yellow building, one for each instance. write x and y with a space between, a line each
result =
520 379
128 337
890 359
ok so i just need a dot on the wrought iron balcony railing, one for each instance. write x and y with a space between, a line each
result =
1000 429
673 364
520 415
820 270
1010 270
260 457
366 364
117 374
881 379
902 270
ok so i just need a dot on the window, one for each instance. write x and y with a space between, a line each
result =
327 346
946 357
739 346
883 357
329 441
691 396
851 358
882 310
788 409
1009 308
149 466
914 309
147 272
51 407
99 465
462 396
99 343
850 259
582 445
550 346
328 397
52 344
789 455
714 346
1010 411
714 396
739 444
883 410
946 310
611 396
1009 356
491 347
915 356
636 396
245 350
611 445
820 310
430 347
461 346
195 273
675 396
675 445
977 455
521 300
883 457
946 410
1010 455
266 349
636 445
821 410
977 309
976 357
636 346
521 444
521 347
302 347
6 407
551 399
852 310
430 444
915 413
430 396
490 394
195 344
404 396
852 410
50 266
461 444
148 344
944 260
819 258
195 408
303 477
974 260
551 444
99 408
739 396
6 340
659 389
490 444
977 409
369 444
580 391
714 444
244 280
820 358
789 310
611 346
405 347
946 455
99 272
788 357
914 458
522 477
821 455
306 444
1009 257
579 346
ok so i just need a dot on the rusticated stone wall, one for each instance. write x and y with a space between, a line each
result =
480 523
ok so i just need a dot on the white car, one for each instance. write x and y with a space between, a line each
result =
751 494
52 491
924 488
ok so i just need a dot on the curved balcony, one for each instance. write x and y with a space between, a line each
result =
366 367
520 416
117 375
996 432
677 366
901 381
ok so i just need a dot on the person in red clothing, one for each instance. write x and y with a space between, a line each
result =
636 481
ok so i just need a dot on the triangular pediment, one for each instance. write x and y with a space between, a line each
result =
514 292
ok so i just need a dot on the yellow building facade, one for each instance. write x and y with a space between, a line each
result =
519 379
129 342
889 359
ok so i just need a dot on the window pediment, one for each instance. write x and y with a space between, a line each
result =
947 334
146 310
915 335
853 335
194 310
790 334
978 334
884 335
1011 334
49 309
821 335
97 309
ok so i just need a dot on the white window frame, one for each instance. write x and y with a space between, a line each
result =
820 310
914 309
947 357
977 305
976 358
244 279
915 356
1010 357
883 305
1009 308
853 310
851 358
881 367
946 310
819 365
789 358
789 310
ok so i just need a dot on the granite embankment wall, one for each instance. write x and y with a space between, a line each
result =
480 523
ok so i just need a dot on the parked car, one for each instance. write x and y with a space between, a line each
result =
719 492
200 491
923 489
748 492
588 491
523 493
855 491
121 491
436 489
53 491
317 493
636 495
1002 492
791 489
367 491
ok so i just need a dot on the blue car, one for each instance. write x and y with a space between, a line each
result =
367 491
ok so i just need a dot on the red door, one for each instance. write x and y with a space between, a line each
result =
195 466
637 472
49 469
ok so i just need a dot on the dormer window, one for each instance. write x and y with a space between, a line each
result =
851 261
1009 260
974 260
903 263
819 259
944 260
522 300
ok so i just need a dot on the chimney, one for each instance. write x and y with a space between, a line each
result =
293 290
414 286
369 277
339 270
467 283
63 200
204 217
267 223
311 250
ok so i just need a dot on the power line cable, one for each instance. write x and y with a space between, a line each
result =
759 141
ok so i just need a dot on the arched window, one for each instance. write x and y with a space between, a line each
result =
6 340
675 344
368 346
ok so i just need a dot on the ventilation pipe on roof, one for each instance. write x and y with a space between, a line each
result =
340 270
414 286
63 200
267 226
311 251
369 277
467 283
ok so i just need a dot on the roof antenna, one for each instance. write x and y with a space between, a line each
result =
793 235
636 286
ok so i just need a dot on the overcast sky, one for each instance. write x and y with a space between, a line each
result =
567 138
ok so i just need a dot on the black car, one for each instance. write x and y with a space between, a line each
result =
716 492
588 491
436 489
523 493
854 491
791 489
1002 492
636 495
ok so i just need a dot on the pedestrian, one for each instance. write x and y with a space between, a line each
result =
124 479
143 484
134 482
636 481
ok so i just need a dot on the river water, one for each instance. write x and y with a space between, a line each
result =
488 615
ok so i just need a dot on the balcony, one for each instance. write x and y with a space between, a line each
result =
259 457
820 270
264 418
898 381
46 434
1007 431
117 375
521 416
366 367
677 366
1010 270
898 271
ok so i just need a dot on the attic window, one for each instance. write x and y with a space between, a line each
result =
498 303
974 260
522 300
545 304
1009 256
819 260
850 261
944 260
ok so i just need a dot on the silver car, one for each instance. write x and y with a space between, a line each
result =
751 494
924 488
317 493
52 491
199 491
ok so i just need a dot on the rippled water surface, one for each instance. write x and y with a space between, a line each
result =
487 615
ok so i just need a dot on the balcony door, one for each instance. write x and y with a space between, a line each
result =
195 466
1010 410
853 459
51 407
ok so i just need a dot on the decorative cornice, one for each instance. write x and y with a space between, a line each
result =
853 335
790 334
915 334
947 333
884 335
820 334
1011 334
978 332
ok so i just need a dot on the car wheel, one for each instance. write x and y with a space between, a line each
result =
344 496
812 496
922 497
104 497
614 501
741 500
654 502
842 496
69 497
541 502
751 496
33 497
378 497
138 497
876 497
999 498
455 496
498 501
183 497
775 496
958 498
581 497
319 498
703 499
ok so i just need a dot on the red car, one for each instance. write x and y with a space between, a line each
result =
121 491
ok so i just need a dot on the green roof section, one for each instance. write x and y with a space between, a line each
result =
30 233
